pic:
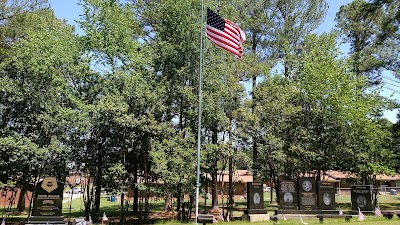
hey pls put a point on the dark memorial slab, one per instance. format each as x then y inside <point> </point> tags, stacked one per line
<point>307,193</point>
<point>255,198</point>
<point>47,203</point>
<point>361,197</point>
<point>326,195</point>
<point>288,195</point>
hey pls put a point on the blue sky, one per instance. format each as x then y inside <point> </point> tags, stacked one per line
<point>70,10</point>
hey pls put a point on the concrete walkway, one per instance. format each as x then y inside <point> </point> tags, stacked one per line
<point>67,197</point>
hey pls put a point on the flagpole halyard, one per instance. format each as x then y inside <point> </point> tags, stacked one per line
<point>202,24</point>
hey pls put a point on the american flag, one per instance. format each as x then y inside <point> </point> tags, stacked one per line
<point>104,219</point>
<point>283,216</point>
<point>361,216</point>
<point>378,211</point>
<point>224,33</point>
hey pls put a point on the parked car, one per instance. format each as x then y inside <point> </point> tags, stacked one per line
<point>75,190</point>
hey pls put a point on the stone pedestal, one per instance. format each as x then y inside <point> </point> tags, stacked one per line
<point>255,217</point>
<point>51,220</point>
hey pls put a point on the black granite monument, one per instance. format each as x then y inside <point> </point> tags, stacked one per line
<point>255,198</point>
<point>307,193</point>
<point>361,197</point>
<point>326,195</point>
<point>47,203</point>
<point>255,203</point>
<point>288,195</point>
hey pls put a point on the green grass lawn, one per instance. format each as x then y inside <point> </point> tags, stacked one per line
<point>78,207</point>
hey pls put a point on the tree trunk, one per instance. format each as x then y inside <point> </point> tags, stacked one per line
<point>179,203</point>
<point>21,199</point>
<point>98,186</point>
<point>122,213</point>
<point>230,188</point>
<point>192,204</point>
<point>214,202</point>
<point>168,202</point>
<point>87,200</point>
<point>135,205</point>
<point>276,184</point>
<point>271,191</point>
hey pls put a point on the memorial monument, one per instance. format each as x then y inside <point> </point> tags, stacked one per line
<point>47,202</point>
<point>307,193</point>
<point>326,195</point>
<point>288,195</point>
<point>361,198</point>
<point>255,203</point>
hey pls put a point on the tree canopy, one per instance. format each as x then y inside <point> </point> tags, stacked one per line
<point>119,102</point>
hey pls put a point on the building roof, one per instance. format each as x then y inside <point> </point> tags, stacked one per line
<point>239,176</point>
<point>244,176</point>
<point>385,177</point>
<point>338,175</point>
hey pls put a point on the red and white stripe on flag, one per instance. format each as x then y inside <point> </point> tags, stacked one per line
<point>361,216</point>
<point>224,33</point>
<point>378,211</point>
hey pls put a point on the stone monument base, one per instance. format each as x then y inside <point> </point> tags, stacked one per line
<point>255,217</point>
<point>51,220</point>
<point>255,211</point>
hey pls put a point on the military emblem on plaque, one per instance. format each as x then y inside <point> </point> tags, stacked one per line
<point>361,198</point>
<point>288,197</point>
<point>49,184</point>
<point>361,201</point>
<point>256,198</point>
<point>327,199</point>
<point>307,185</point>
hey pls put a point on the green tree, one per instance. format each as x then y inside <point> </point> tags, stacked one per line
<point>274,110</point>
<point>123,103</point>
<point>223,95</point>
<point>336,128</point>
<point>370,29</point>
<point>276,30</point>
<point>172,32</point>
<point>35,94</point>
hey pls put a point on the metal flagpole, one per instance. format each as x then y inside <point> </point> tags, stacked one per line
<point>199,110</point>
